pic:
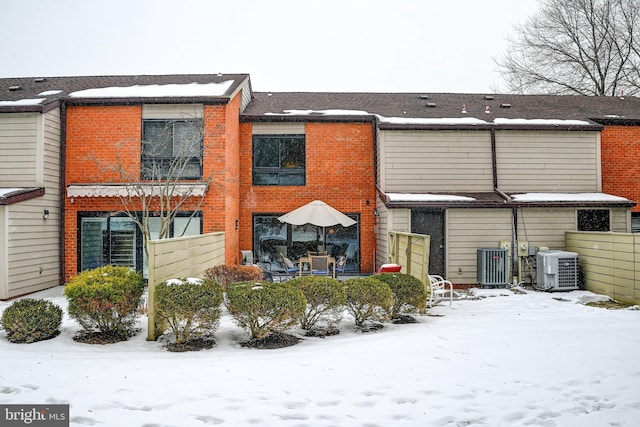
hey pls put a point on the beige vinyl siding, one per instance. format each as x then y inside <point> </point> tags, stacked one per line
<point>389,220</point>
<point>621,220</point>
<point>435,161</point>
<point>19,149</point>
<point>546,227</point>
<point>546,161</point>
<point>278,128</point>
<point>172,111</point>
<point>4,259</point>
<point>467,230</point>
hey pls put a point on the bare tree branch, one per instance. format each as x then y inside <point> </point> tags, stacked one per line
<point>586,47</point>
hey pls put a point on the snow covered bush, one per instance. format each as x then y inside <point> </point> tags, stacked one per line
<point>325,297</point>
<point>265,307</point>
<point>227,274</point>
<point>189,307</point>
<point>105,301</point>
<point>409,293</point>
<point>29,320</point>
<point>368,299</point>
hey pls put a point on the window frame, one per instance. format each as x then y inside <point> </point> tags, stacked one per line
<point>157,167</point>
<point>280,173</point>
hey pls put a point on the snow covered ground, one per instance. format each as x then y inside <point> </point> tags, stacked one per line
<point>505,359</point>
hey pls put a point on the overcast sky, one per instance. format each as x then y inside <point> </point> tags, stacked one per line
<point>285,45</point>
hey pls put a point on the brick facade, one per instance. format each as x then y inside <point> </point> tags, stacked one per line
<point>620,167</point>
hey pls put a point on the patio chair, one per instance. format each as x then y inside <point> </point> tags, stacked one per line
<point>438,290</point>
<point>320,265</point>
<point>289,266</point>
<point>341,264</point>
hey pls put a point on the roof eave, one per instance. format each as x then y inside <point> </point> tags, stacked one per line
<point>21,195</point>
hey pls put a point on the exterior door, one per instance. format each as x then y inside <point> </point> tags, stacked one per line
<point>431,222</point>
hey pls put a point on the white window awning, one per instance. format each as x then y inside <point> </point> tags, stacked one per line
<point>134,190</point>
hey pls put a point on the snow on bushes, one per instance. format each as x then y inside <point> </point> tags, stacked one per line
<point>190,308</point>
<point>29,320</point>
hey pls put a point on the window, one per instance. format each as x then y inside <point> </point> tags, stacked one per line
<point>172,149</point>
<point>593,220</point>
<point>278,160</point>
<point>105,238</point>
<point>635,222</point>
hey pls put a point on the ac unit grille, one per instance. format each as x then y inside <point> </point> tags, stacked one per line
<point>557,271</point>
<point>493,267</point>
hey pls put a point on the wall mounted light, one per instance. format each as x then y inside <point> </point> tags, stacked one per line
<point>45,214</point>
<point>375,212</point>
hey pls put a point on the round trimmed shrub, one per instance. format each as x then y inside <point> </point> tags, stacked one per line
<point>29,320</point>
<point>265,307</point>
<point>325,297</point>
<point>409,294</point>
<point>228,274</point>
<point>368,299</point>
<point>105,301</point>
<point>189,307</point>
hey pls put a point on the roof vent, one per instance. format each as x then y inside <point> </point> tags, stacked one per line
<point>464,109</point>
<point>15,88</point>
<point>488,97</point>
<point>505,105</point>
<point>431,104</point>
<point>424,96</point>
<point>40,80</point>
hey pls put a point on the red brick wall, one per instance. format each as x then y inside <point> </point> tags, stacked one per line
<point>104,133</point>
<point>339,171</point>
<point>620,147</point>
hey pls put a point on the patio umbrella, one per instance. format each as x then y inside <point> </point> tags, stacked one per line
<point>317,213</point>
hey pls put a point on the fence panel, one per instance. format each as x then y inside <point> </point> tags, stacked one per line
<point>411,251</point>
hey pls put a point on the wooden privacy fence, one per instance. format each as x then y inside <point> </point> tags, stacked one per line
<point>181,257</point>
<point>610,262</point>
<point>411,251</point>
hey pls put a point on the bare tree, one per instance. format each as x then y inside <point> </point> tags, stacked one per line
<point>167,180</point>
<point>586,47</point>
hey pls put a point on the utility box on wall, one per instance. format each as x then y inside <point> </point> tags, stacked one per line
<point>493,267</point>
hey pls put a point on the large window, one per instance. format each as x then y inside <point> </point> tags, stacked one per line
<point>272,238</point>
<point>593,220</point>
<point>105,238</point>
<point>172,149</point>
<point>278,160</point>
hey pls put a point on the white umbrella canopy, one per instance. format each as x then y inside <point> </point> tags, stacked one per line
<point>317,213</point>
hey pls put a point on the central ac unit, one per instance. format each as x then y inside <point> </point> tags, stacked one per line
<point>557,271</point>
<point>493,267</point>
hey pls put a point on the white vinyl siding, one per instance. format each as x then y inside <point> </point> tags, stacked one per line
<point>172,111</point>
<point>435,161</point>
<point>467,230</point>
<point>19,149</point>
<point>278,129</point>
<point>546,161</point>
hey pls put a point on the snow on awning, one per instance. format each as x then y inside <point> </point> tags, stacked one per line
<point>182,190</point>
<point>22,102</point>
<point>567,197</point>
<point>411,197</point>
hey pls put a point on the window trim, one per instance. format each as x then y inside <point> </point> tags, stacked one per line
<point>144,159</point>
<point>257,171</point>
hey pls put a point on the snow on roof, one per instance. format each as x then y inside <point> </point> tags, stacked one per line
<point>5,191</point>
<point>21,102</point>
<point>320,112</point>
<point>434,121</point>
<point>49,92</point>
<point>541,122</point>
<point>567,197</point>
<point>406,197</point>
<point>156,91</point>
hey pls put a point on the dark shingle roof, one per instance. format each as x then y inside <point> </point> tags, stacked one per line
<point>25,88</point>
<point>487,108</point>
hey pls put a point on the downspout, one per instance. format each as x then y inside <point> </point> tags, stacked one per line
<point>514,210</point>
<point>62,180</point>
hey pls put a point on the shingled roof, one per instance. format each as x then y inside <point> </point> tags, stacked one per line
<point>396,110</point>
<point>43,93</point>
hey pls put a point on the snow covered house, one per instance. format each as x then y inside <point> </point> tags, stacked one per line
<point>29,187</point>
<point>476,171</point>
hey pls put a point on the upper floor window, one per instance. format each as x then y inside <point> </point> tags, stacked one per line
<point>278,160</point>
<point>593,220</point>
<point>171,149</point>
